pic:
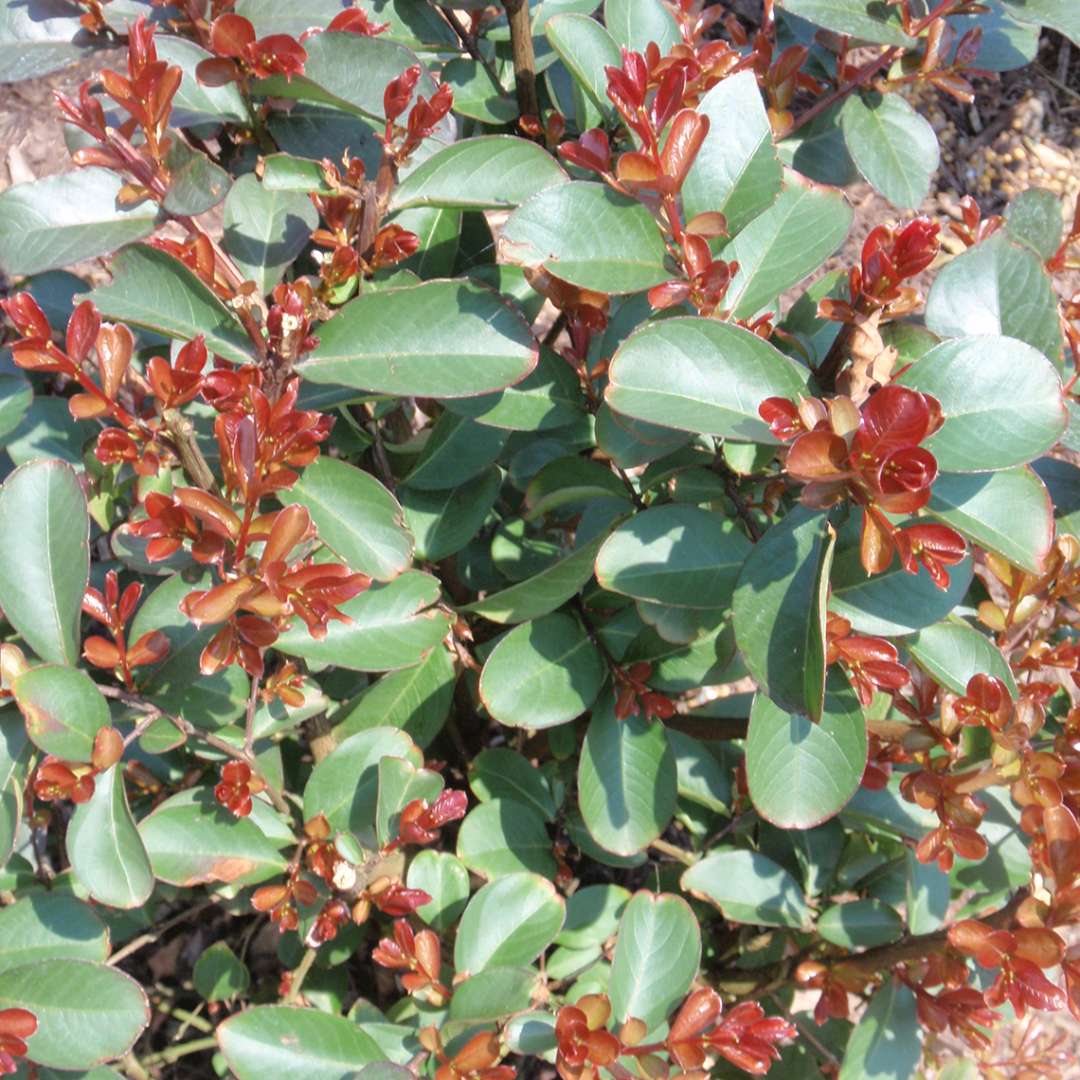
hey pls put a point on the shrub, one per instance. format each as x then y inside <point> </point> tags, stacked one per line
<point>459,619</point>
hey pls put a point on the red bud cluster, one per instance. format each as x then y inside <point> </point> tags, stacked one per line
<point>114,610</point>
<point>237,786</point>
<point>419,956</point>
<point>239,55</point>
<point>16,1026</point>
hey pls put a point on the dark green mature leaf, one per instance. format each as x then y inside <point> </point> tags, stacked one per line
<point>885,1043</point>
<point>356,517</point>
<point>1001,400</point>
<point>276,1040</point>
<point>153,290</point>
<point>777,609</point>
<point>16,393</point>
<point>586,48</point>
<point>1033,218</point>
<point>542,673</point>
<point>437,339</point>
<point>64,710</point>
<point>45,537</point>
<point>393,626</point>
<point>509,922</point>
<point>444,878</point>
<point>503,837</point>
<point>62,219</point>
<point>674,554</point>
<point>1062,480</point>
<point>656,957</point>
<point>626,780</point>
<point>497,992</point>
<point>266,229</point>
<point>195,103</point>
<point>736,171</point>
<point>443,522</point>
<point>1006,45</point>
<point>634,23</point>
<point>996,288</point>
<point>47,432</point>
<point>790,240</point>
<point>701,375</point>
<point>1008,512</point>
<point>867,20</point>
<point>799,773</point>
<point>592,915</point>
<point>588,235</point>
<point>105,849</point>
<point>748,887</point>
<point>46,926</point>
<point>502,773</point>
<point>477,95</point>
<point>400,783</point>
<point>951,652</point>
<point>860,924</point>
<point>40,38</point>
<point>456,450</point>
<point>489,172</point>
<point>87,1013</point>
<point>191,840</point>
<point>196,184</point>
<point>1060,15</point>
<point>219,974</point>
<point>894,148</point>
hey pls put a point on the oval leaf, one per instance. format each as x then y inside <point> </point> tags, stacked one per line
<point>47,926</point>
<point>748,887</point>
<point>64,710</point>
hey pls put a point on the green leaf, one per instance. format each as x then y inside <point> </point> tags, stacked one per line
<point>1062,480</point>
<point>790,240</point>
<point>59,220</point>
<point>626,780</point>
<point>543,592</point>
<point>894,148</point>
<point>656,957</point>
<point>105,849</point>
<point>436,339</point>
<point>894,601</point>
<point>444,878</point>
<point>748,888</point>
<point>592,916</point>
<point>16,393</point>
<point>401,782</point>
<point>38,40</point>
<point>498,992</point>
<point>799,773</point>
<point>153,290</point>
<point>702,779</point>
<point>344,785</point>
<point>283,172</point>
<point>1008,512</point>
<point>196,184</point>
<point>266,229</point>
<point>415,699</point>
<point>951,652</point>
<point>46,926</point>
<point>87,1013</point>
<point>996,289</point>
<point>45,537</point>
<point>504,837</point>
<point>586,48</point>
<point>219,974</point>
<point>701,375</point>
<point>63,708</point>
<point>502,773</point>
<point>508,923</point>
<point>1060,15</point>
<point>443,522</point>
<point>1033,218</point>
<point>1001,400</point>
<point>542,673</point>
<point>587,235</point>
<point>634,23</point>
<point>867,20</point>
<point>860,924</point>
<point>674,554</point>
<point>885,1043</point>
<point>736,171</point>
<point>357,518</point>
<point>276,1040</point>
<point>477,95</point>
<point>191,840</point>
<point>48,432</point>
<point>456,450</point>
<point>393,626</point>
<point>489,172</point>
<point>777,609</point>
<point>194,103</point>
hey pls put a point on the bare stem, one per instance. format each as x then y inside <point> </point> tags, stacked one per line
<point>521,48</point>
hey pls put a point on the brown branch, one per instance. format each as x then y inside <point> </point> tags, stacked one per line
<point>181,433</point>
<point>521,48</point>
<point>468,41</point>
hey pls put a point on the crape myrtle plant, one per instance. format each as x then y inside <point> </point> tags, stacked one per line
<point>471,609</point>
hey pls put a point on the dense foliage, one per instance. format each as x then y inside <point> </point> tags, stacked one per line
<point>470,610</point>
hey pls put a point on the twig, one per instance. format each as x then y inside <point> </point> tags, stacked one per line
<point>807,1034</point>
<point>731,489</point>
<point>521,48</point>
<point>133,1067</point>
<point>181,434</point>
<point>299,974</point>
<point>468,42</point>
<point>249,719</point>
<point>683,856</point>
<point>175,1053</point>
<point>149,938</point>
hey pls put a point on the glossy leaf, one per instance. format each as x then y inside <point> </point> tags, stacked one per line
<point>626,780</point>
<point>634,23</point>
<point>456,450</point>
<point>885,1042</point>
<point>748,887</point>
<point>951,652</point>
<point>46,926</point>
<point>59,220</point>
<point>497,992</point>
<point>592,915</point>
<point>1059,15</point>
<point>1001,400</point>
<point>586,48</point>
<point>219,974</point>
<point>400,783</point>
<point>446,880</point>
<point>800,773</point>
<point>1033,218</point>
<point>105,849</point>
<point>700,375</point>
<point>355,516</point>
<point>656,957</point>
<point>195,103</point>
<point>505,837</point>
<point>36,41</point>
<point>436,339</point>
<point>542,673</point>
<point>502,773</point>
<point>509,922</point>
<point>44,534</point>
<point>64,710</point>
<point>16,393</point>
<point>866,20</point>
<point>860,924</point>
<point>443,522</point>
